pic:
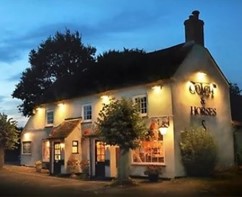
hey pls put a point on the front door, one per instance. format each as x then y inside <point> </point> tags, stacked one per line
<point>99,159</point>
<point>57,158</point>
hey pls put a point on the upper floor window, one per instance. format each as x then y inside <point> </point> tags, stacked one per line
<point>141,102</point>
<point>50,117</point>
<point>87,112</point>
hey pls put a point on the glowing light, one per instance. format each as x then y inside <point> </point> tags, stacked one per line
<point>105,99</point>
<point>156,89</point>
<point>163,130</point>
<point>62,145</point>
<point>61,105</point>
<point>201,76</point>
<point>47,143</point>
<point>27,137</point>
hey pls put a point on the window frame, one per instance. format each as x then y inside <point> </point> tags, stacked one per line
<point>151,162</point>
<point>140,107</point>
<point>76,146</point>
<point>47,121</point>
<point>24,143</point>
<point>84,113</point>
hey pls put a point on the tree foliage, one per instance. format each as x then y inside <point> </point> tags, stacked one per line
<point>8,135</point>
<point>198,151</point>
<point>120,123</point>
<point>234,89</point>
<point>60,55</point>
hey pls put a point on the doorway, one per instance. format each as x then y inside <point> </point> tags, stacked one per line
<point>99,159</point>
<point>58,160</point>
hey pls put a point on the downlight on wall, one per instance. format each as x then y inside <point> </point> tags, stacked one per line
<point>156,89</point>
<point>105,99</point>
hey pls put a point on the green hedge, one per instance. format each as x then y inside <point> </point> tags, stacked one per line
<point>198,151</point>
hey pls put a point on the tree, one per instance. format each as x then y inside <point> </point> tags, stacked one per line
<point>8,135</point>
<point>234,89</point>
<point>119,123</point>
<point>59,56</point>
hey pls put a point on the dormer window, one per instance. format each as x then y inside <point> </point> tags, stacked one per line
<point>49,117</point>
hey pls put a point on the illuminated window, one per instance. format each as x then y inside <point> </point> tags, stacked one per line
<point>57,151</point>
<point>141,102</point>
<point>87,112</point>
<point>74,147</point>
<point>100,148</point>
<point>26,147</point>
<point>151,149</point>
<point>50,117</point>
<point>46,150</point>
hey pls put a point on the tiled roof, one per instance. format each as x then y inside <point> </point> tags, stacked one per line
<point>64,129</point>
<point>149,67</point>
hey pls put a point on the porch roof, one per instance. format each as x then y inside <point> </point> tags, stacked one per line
<point>64,129</point>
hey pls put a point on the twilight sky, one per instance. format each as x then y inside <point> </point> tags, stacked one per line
<point>113,24</point>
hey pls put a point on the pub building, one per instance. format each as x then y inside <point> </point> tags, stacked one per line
<point>175,88</point>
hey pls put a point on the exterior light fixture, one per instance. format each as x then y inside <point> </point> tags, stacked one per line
<point>165,122</point>
<point>105,99</point>
<point>156,88</point>
<point>201,76</point>
<point>61,104</point>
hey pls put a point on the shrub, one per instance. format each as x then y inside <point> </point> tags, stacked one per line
<point>198,151</point>
<point>73,165</point>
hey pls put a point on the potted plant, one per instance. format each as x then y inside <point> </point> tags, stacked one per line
<point>38,166</point>
<point>153,172</point>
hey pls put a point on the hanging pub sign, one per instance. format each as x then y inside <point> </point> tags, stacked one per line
<point>204,91</point>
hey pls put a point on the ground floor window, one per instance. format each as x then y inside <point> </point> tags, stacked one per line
<point>26,147</point>
<point>149,152</point>
<point>45,150</point>
<point>151,149</point>
<point>74,147</point>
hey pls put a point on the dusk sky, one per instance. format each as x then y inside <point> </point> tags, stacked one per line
<point>113,24</point>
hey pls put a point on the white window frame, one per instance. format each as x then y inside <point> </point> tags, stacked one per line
<point>140,108</point>
<point>30,148</point>
<point>49,123</point>
<point>84,113</point>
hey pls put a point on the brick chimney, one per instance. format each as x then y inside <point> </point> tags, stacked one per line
<point>194,28</point>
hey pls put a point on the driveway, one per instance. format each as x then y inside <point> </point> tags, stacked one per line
<point>24,182</point>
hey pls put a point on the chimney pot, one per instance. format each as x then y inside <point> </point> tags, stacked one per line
<point>196,13</point>
<point>194,28</point>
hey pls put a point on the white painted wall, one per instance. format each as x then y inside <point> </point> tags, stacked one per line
<point>220,125</point>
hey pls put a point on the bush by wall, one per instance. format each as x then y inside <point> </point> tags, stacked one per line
<point>198,151</point>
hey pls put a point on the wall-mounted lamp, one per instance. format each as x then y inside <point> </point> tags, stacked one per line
<point>202,89</point>
<point>61,104</point>
<point>201,76</point>
<point>165,122</point>
<point>156,88</point>
<point>105,99</point>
